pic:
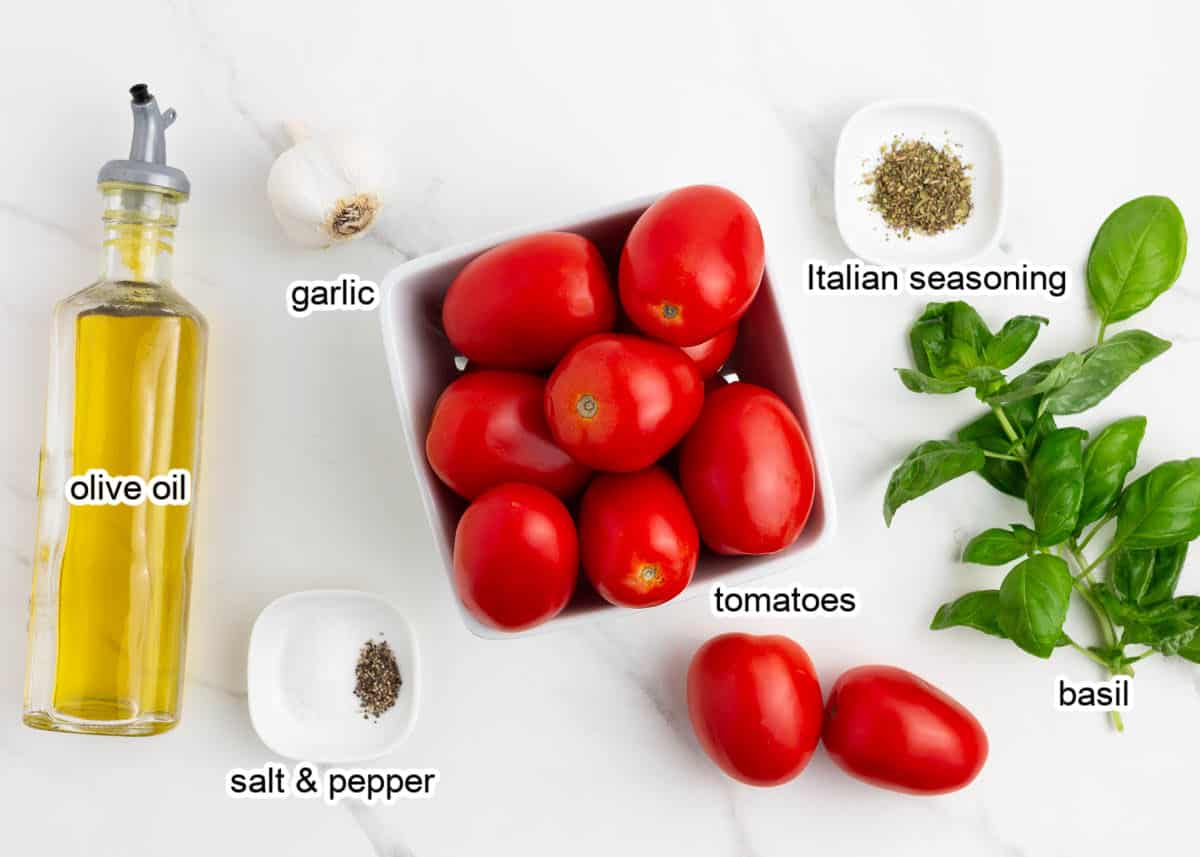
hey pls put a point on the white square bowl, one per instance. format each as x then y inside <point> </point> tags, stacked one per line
<point>300,676</point>
<point>422,363</point>
<point>863,229</point>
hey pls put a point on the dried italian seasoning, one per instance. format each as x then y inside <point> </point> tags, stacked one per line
<point>920,188</point>
<point>376,678</point>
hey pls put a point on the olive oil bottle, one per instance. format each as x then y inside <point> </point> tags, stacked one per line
<point>112,573</point>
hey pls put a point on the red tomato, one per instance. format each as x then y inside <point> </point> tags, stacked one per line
<point>523,304</point>
<point>516,557</point>
<point>691,265</point>
<point>755,705</point>
<point>747,472</point>
<point>619,402</point>
<point>711,354</point>
<point>890,728</point>
<point>637,537</point>
<point>490,427</point>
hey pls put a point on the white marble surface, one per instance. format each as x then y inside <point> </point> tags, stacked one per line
<point>502,113</point>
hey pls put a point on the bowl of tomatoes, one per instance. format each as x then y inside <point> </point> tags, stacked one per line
<point>605,412</point>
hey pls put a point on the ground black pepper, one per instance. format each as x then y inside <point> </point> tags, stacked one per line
<point>376,678</point>
<point>920,188</point>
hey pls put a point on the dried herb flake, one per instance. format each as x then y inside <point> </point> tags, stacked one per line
<point>920,188</point>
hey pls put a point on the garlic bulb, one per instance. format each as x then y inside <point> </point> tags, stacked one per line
<point>328,188</point>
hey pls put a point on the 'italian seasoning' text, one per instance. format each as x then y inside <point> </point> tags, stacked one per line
<point>855,276</point>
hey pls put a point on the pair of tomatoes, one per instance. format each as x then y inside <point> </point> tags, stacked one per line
<point>554,402</point>
<point>755,705</point>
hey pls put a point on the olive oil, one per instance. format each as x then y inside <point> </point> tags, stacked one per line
<point>112,577</point>
<point>126,570</point>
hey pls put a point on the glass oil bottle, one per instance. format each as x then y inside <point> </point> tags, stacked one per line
<point>111,580</point>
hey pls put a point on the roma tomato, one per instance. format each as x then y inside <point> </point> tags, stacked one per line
<point>691,265</point>
<point>619,402</point>
<point>522,304</point>
<point>637,538</point>
<point>890,728</point>
<point>490,427</point>
<point>516,557</point>
<point>747,471</point>
<point>711,354</point>
<point>755,705</point>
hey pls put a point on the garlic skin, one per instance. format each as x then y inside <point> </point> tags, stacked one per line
<point>329,188</point>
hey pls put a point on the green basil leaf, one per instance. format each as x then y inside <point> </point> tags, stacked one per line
<point>1146,578</point>
<point>1190,650</point>
<point>1168,565</point>
<point>963,325</point>
<point>927,338</point>
<point>978,610</point>
<point>1161,508</point>
<point>950,340</point>
<point>985,379</point>
<point>919,382</point>
<point>1127,613</point>
<point>1105,367</point>
<point>1033,375</point>
<point>1055,376</point>
<point>1033,603</point>
<point>986,432</point>
<point>1172,630</point>
<point>999,547</point>
<point>931,464</point>
<point>1137,255</point>
<point>1055,488</point>
<point>1129,574</point>
<point>1106,462</point>
<point>1013,340</point>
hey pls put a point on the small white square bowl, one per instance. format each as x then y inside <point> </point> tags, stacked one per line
<point>422,363</point>
<point>300,676</point>
<point>863,229</point>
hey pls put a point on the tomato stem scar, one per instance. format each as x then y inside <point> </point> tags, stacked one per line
<point>669,311</point>
<point>587,406</point>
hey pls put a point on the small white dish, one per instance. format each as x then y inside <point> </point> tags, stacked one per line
<point>300,676</point>
<point>863,229</point>
<point>422,363</point>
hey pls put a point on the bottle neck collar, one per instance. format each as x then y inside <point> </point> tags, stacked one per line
<point>139,233</point>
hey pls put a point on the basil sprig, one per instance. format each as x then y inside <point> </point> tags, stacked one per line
<point>1075,489</point>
